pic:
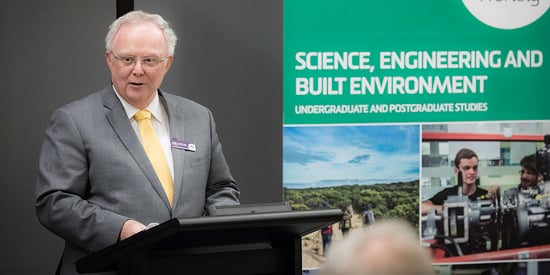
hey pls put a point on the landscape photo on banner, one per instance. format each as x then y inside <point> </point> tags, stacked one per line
<point>354,168</point>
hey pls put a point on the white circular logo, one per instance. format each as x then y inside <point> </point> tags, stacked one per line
<point>507,14</point>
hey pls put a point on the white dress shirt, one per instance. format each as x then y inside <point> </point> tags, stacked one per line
<point>159,119</point>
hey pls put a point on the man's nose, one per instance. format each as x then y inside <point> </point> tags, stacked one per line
<point>138,67</point>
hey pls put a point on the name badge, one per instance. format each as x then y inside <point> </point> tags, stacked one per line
<point>183,145</point>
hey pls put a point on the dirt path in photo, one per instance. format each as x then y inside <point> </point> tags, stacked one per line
<point>312,245</point>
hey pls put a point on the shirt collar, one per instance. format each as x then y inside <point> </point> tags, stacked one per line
<point>154,107</point>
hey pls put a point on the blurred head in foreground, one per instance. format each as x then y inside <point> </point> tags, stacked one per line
<point>390,247</point>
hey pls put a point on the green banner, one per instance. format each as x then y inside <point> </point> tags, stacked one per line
<point>415,61</point>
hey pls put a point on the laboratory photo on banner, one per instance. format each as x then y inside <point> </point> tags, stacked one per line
<point>485,191</point>
<point>369,172</point>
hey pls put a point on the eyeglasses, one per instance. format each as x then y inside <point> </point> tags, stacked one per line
<point>148,61</point>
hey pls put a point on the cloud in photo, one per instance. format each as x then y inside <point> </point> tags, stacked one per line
<point>320,156</point>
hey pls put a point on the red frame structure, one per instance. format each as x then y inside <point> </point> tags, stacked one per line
<point>434,136</point>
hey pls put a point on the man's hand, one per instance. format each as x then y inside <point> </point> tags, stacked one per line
<point>129,228</point>
<point>426,205</point>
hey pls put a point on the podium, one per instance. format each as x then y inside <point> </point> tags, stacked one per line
<point>247,243</point>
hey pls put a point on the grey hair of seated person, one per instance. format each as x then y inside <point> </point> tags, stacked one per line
<point>390,247</point>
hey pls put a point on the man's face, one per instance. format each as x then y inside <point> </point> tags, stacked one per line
<point>528,178</point>
<point>468,167</point>
<point>137,83</point>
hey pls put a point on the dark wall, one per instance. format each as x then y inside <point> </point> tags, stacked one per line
<point>229,58</point>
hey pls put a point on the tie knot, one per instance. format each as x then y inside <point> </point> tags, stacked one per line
<point>142,114</point>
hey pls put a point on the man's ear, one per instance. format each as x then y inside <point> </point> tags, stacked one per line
<point>168,63</point>
<point>108,59</point>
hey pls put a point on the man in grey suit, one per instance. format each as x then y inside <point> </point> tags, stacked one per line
<point>96,184</point>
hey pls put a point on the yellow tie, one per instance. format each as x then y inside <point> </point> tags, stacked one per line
<point>154,151</point>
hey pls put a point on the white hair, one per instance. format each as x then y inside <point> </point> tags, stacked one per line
<point>135,17</point>
<point>391,247</point>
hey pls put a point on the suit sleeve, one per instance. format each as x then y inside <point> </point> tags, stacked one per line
<point>221,188</point>
<point>62,186</point>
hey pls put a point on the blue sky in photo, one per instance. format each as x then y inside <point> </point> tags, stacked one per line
<point>323,156</point>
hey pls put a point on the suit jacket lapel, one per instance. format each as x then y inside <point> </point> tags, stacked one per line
<point>175,118</point>
<point>121,125</point>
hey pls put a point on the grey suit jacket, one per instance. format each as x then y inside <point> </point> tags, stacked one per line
<point>94,175</point>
